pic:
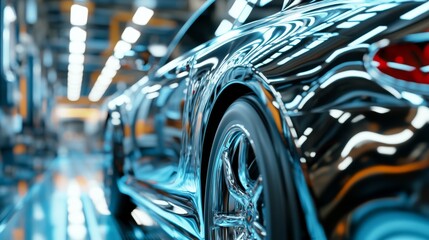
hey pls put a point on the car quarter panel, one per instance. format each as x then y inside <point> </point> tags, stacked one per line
<point>309,66</point>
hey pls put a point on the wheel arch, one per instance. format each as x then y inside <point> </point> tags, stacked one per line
<point>229,93</point>
<point>227,96</point>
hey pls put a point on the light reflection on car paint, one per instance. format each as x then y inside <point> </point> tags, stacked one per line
<point>307,66</point>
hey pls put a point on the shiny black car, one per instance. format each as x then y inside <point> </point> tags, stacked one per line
<point>309,122</point>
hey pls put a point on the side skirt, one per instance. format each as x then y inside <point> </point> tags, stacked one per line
<point>176,214</point>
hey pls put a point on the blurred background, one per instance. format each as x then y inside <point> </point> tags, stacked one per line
<point>60,62</point>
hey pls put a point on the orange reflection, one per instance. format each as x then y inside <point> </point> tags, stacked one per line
<point>18,234</point>
<point>274,111</point>
<point>378,170</point>
<point>22,188</point>
<point>143,127</point>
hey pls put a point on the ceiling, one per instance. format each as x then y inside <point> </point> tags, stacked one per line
<point>107,19</point>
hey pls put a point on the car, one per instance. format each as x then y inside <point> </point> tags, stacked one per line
<point>307,123</point>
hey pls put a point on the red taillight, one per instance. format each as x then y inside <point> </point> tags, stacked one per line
<point>406,61</point>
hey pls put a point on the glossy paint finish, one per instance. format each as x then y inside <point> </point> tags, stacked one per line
<point>238,214</point>
<point>352,141</point>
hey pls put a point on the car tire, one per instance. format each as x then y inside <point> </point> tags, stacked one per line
<point>245,195</point>
<point>120,205</point>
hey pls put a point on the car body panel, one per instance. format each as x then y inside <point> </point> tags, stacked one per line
<point>308,68</point>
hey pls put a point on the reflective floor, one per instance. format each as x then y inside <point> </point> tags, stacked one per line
<point>64,199</point>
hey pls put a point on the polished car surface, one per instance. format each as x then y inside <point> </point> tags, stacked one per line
<point>311,122</point>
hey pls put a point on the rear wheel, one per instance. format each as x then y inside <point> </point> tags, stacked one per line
<point>245,193</point>
<point>120,205</point>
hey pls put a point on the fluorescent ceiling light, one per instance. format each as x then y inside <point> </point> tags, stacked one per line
<point>108,72</point>
<point>130,35</point>
<point>74,88</point>
<point>97,92</point>
<point>119,55</point>
<point>72,97</point>
<point>77,47</point>
<point>100,87</point>
<point>122,47</point>
<point>77,34</point>
<point>103,80</point>
<point>73,92</point>
<point>76,58</point>
<point>74,83</point>
<point>142,16</point>
<point>9,14</point>
<point>95,96</point>
<point>113,63</point>
<point>74,79</point>
<point>157,50</point>
<point>76,68</point>
<point>78,15</point>
<point>75,74</point>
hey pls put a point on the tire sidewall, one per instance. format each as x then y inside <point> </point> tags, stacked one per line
<point>246,112</point>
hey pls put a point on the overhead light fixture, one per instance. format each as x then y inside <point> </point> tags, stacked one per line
<point>77,34</point>
<point>78,15</point>
<point>74,87</point>
<point>77,47</point>
<point>157,50</point>
<point>142,16</point>
<point>72,97</point>
<point>130,35</point>
<point>75,75</point>
<point>100,87</point>
<point>76,58</point>
<point>108,72</point>
<point>113,63</point>
<point>9,14</point>
<point>97,92</point>
<point>119,55</point>
<point>75,68</point>
<point>104,80</point>
<point>94,97</point>
<point>74,90</point>
<point>122,47</point>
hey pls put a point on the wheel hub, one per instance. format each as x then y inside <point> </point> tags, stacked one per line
<point>237,207</point>
<point>251,213</point>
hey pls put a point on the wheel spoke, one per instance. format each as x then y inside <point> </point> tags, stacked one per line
<point>233,187</point>
<point>259,230</point>
<point>257,189</point>
<point>229,219</point>
<point>242,236</point>
<point>243,171</point>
